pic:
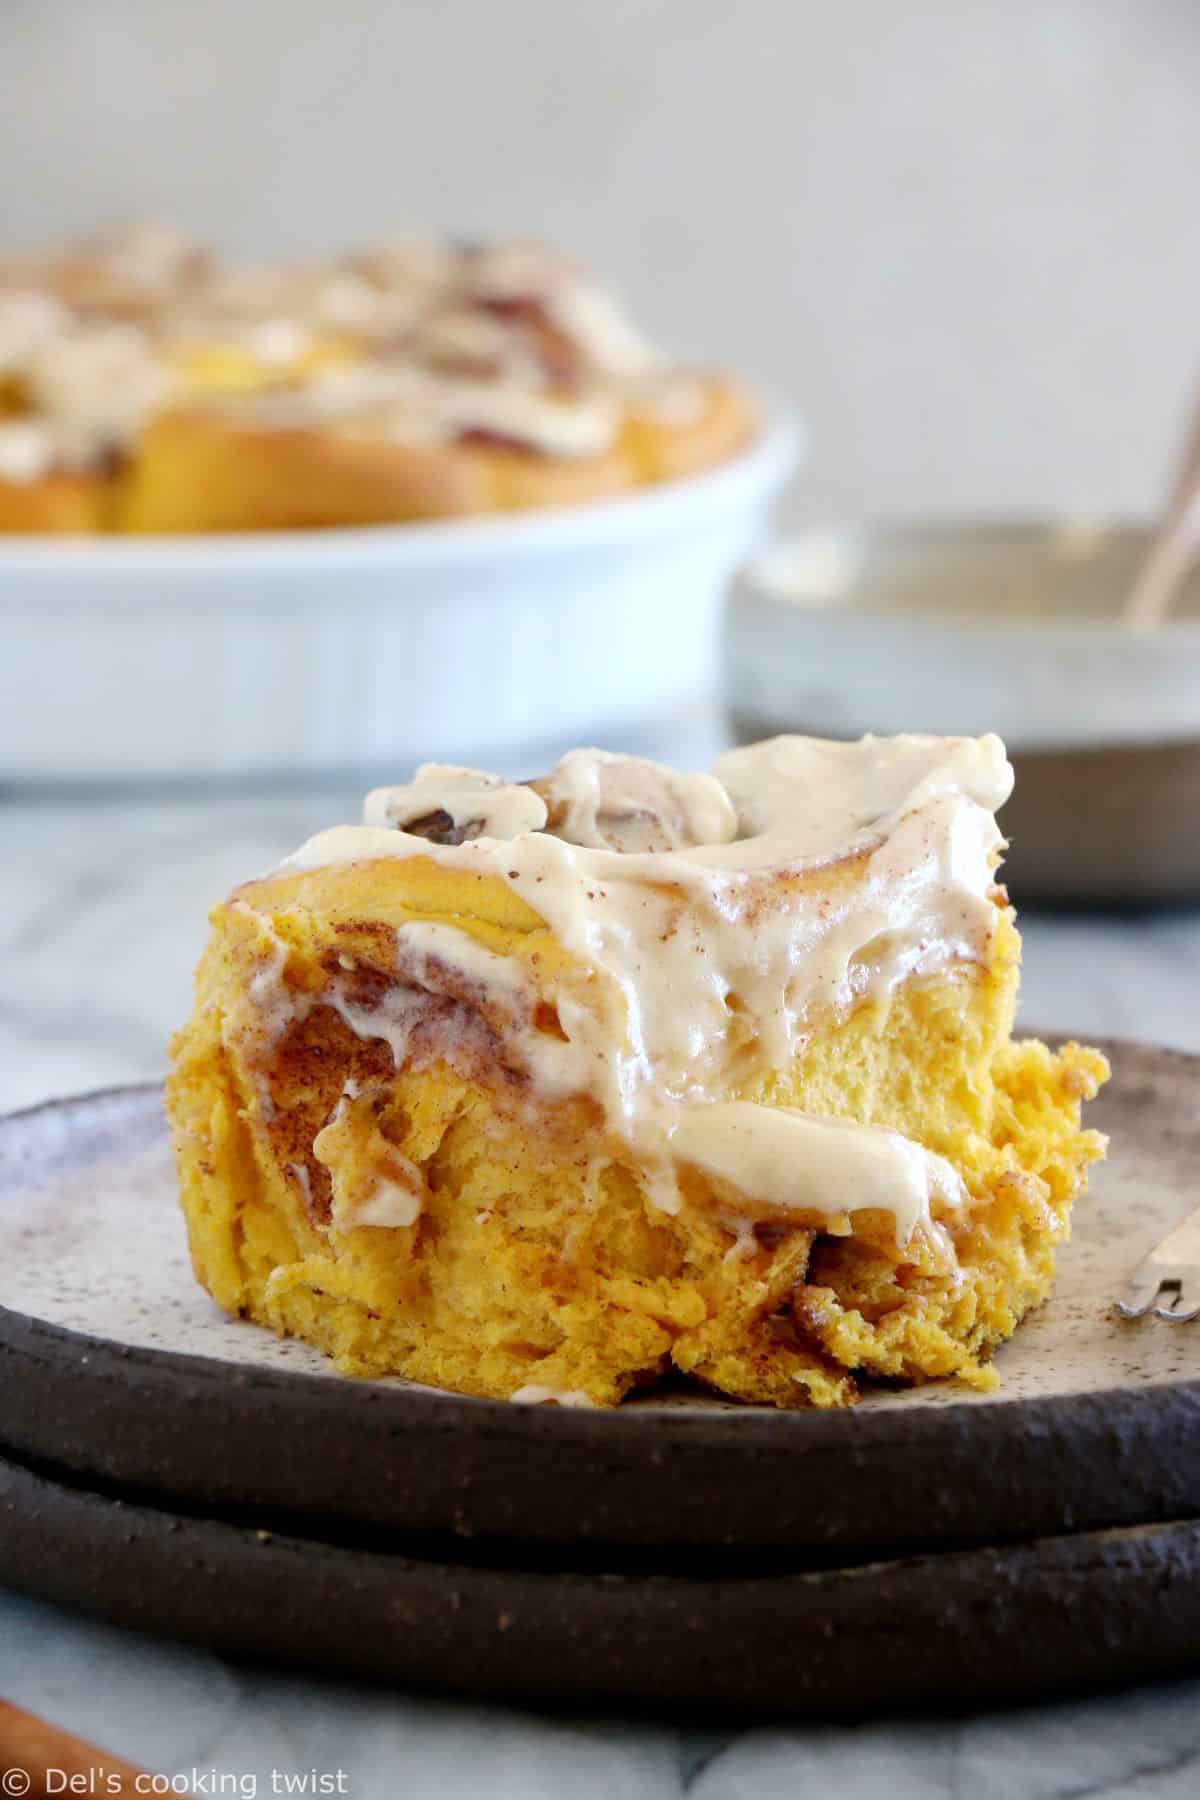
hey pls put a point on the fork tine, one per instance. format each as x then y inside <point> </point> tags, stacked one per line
<point>1167,1281</point>
<point>1140,1294</point>
<point>1178,1310</point>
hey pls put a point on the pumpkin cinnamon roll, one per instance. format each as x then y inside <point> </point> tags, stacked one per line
<point>548,1089</point>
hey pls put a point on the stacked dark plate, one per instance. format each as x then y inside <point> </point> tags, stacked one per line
<point>936,1548</point>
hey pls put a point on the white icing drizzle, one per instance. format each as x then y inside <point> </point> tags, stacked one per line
<point>463,338</point>
<point>695,971</point>
<point>672,396</point>
<point>627,803</point>
<point>94,387</point>
<point>431,343</point>
<point>787,1161</point>
<point>274,1002</point>
<point>254,291</point>
<point>342,395</point>
<point>744,1239</point>
<point>402,403</point>
<point>433,959</point>
<point>437,409</point>
<point>300,1175</point>
<point>148,255</point>
<point>534,1394</point>
<point>600,324</point>
<point>586,425</point>
<point>27,450</point>
<point>28,319</point>
<point>588,314</point>
<point>412,263</point>
<point>482,992</point>
<point>391,1203</point>
<point>383,1188</point>
<point>478,804</point>
<point>345,301</point>
<point>91,387</point>
<point>278,342</point>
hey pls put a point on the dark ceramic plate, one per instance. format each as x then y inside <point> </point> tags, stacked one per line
<point>931,1632</point>
<point>117,1373</point>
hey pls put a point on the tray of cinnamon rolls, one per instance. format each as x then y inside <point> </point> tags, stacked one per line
<point>268,519</point>
<point>146,387</point>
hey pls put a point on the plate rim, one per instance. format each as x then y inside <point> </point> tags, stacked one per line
<point>927,1632</point>
<point>1007,1433</point>
<point>587,1418</point>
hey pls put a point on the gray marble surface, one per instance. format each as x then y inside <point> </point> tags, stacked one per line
<point>104,904</point>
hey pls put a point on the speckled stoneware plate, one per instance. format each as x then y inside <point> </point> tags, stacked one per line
<point>177,1471</point>
<point>116,1367</point>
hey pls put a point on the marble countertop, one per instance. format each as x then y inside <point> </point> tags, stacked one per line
<point>104,912</point>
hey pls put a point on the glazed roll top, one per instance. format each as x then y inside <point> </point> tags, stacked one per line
<point>413,344</point>
<point>709,923</point>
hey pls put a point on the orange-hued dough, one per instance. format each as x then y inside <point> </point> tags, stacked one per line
<point>61,503</point>
<point>663,448</point>
<point>204,471</point>
<point>522,480</point>
<point>533,1254</point>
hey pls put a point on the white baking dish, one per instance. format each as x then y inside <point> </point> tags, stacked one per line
<point>307,652</point>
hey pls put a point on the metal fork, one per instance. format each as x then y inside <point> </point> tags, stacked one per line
<point>1172,1271</point>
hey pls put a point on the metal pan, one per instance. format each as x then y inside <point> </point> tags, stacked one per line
<point>1009,627</point>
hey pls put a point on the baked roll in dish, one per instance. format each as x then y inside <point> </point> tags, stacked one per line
<point>545,1090</point>
<point>144,388</point>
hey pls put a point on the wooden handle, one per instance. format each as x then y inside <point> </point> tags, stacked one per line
<point>1167,562</point>
<point>1188,466</point>
<point>1175,544</point>
<point>49,1758</point>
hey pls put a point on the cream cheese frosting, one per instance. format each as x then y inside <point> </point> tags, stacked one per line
<point>96,385</point>
<point>28,319</point>
<point>474,802</point>
<point>440,409</point>
<point>605,802</point>
<point>406,404</point>
<point>91,387</point>
<point>580,307</point>
<point>422,344</point>
<point>28,450</point>
<point>150,255</point>
<point>535,1393</point>
<point>695,967</point>
<point>787,1161</point>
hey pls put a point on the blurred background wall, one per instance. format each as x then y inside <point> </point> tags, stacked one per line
<point>961,234</point>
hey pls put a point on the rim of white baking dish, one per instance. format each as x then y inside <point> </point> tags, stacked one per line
<point>766,464</point>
